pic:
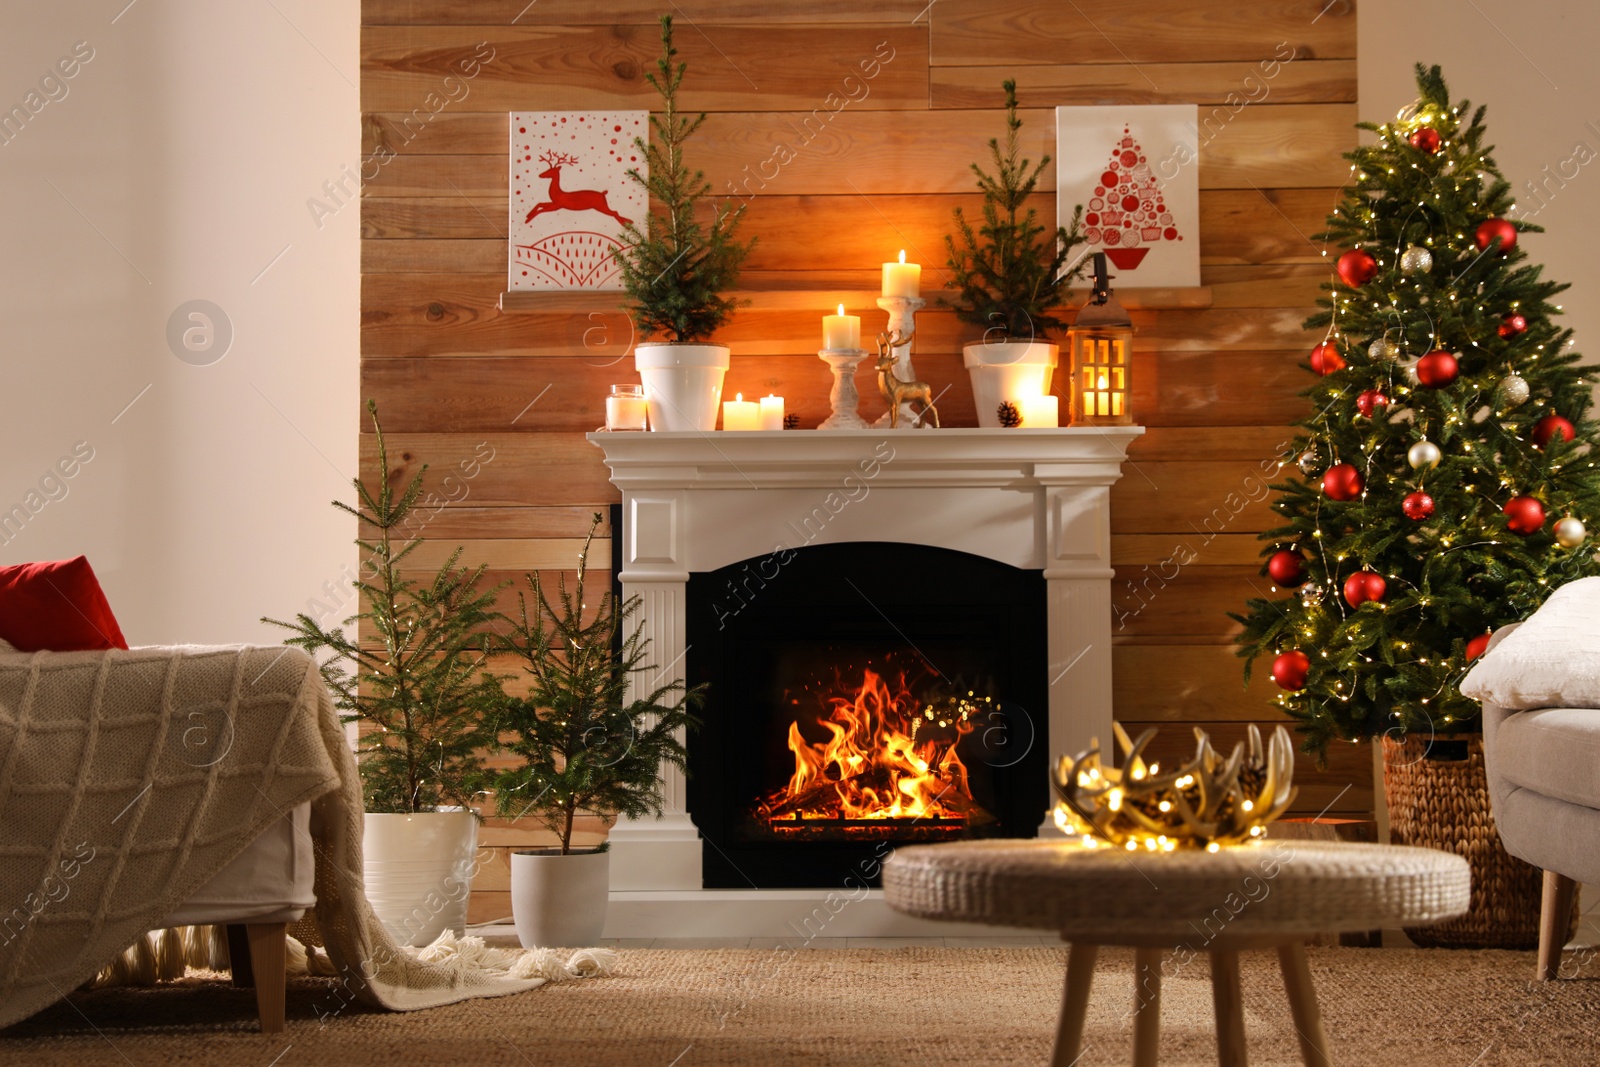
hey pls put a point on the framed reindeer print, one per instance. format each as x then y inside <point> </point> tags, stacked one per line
<point>570,196</point>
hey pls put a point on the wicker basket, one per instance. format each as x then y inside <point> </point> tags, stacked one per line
<point>1439,800</point>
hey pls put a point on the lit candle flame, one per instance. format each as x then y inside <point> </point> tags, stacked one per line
<point>902,255</point>
<point>841,309</point>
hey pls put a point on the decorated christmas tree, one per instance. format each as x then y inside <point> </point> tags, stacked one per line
<point>1449,471</point>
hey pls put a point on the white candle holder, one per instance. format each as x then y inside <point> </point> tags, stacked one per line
<point>843,396</point>
<point>902,320</point>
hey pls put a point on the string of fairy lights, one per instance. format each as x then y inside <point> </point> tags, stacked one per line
<point>1445,316</point>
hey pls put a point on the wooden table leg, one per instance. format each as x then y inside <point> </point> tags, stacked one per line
<point>1554,916</point>
<point>1074,1004</point>
<point>1228,1004</point>
<point>1303,1005</point>
<point>1147,1007</point>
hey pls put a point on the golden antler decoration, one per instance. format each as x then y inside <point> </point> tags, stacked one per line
<point>1207,803</point>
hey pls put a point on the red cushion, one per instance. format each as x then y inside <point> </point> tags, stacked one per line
<point>56,607</point>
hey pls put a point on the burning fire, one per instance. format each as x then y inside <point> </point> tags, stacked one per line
<point>888,756</point>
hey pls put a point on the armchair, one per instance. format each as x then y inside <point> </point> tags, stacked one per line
<point>1543,766</point>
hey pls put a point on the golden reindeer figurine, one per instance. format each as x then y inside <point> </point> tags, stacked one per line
<point>896,391</point>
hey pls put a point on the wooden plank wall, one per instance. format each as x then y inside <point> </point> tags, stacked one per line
<point>458,381</point>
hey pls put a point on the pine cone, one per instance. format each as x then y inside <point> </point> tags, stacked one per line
<point>791,422</point>
<point>1010,417</point>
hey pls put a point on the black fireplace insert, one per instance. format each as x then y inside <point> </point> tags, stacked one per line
<point>862,696</point>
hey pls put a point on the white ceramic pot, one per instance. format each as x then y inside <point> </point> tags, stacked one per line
<point>682,384</point>
<point>419,872</point>
<point>1008,370</point>
<point>559,901</point>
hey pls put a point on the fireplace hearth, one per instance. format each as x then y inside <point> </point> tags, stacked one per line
<point>866,695</point>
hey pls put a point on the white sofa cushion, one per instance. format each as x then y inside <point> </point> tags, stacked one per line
<point>1553,751</point>
<point>1551,661</point>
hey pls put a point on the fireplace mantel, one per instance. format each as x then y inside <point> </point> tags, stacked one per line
<point>695,502</point>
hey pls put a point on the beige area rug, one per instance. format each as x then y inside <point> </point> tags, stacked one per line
<point>921,1006</point>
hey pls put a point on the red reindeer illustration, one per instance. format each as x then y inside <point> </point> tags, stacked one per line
<point>569,199</point>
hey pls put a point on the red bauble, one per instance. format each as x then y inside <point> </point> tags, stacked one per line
<point>1287,568</point>
<point>1325,358</point>
<point>1369,401</point>
<point>1425,139</point>
<point>1357,267</point>
<point>1437,369</point>
<point>1547,428</point>
<point>1342,482</point>
<point>1289,670</point>
<point>1489,229</point>
<point>1363,586</point>
<point>1417,506</point>
<point>1476,646</point>
<point>1512,326</point>
<point>1524,515</point>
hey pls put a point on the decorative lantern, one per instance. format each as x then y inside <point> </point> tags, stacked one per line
<point>1101,347</point>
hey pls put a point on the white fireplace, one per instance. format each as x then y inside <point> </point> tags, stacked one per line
<point>697,502</point>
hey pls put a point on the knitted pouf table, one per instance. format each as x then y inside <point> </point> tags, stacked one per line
<point>1270,894</point>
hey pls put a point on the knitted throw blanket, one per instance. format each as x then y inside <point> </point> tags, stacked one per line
<point>129,779</point>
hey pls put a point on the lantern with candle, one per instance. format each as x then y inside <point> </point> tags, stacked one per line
<point>1012,273</point>
<point>1100,347</point>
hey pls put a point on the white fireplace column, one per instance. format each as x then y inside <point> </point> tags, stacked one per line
<point>1077,572</point>
<point>1037,499</point>
<point>659,853</point>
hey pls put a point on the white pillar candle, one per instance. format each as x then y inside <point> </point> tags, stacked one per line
<point>841,331</point>
<point>771,412</point>
<point>741,414</point>
<point>902,278</point>
<point>1040,411</point>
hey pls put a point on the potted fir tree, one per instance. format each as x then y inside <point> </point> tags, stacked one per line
<point>415,676</point>
<point>678,267</point>
<point>1009,271</point>
<point>589,738</point>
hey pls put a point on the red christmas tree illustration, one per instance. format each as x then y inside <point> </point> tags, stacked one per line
<point>1128,211</point>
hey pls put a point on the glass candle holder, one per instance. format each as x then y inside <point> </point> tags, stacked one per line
<point>625,408</point>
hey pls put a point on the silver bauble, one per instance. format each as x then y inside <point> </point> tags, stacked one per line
<point>1570,532</point>
<point>1308,462</point>
<point>1514,390</point>
<point>1383,349</point>
<point>1416,260</point>
<point>1423,454</point>
<point>1310,593</point>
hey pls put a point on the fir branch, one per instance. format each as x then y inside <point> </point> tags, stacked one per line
<point>426,693</point>
<point>678,267</point>
<point>583,744</point>
<point>1010,271</point>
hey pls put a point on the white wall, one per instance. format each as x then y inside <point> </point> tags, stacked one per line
<point>1533,64</point>
<point>177,167</point>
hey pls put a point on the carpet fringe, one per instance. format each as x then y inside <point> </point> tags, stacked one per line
<point>167,955</point>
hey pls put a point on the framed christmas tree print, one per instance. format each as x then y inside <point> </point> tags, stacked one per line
<point>571,196</point>
<point>1135,170</point>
